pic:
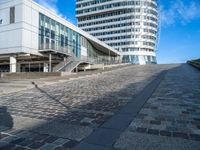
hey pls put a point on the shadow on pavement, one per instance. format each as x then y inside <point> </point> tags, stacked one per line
<point>6,120</point>
<point>75,124</point>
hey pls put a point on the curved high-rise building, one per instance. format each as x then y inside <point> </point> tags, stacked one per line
<point>130,26</point>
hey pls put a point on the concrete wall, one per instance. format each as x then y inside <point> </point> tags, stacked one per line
<point>29,75</point>
<point>10,34</point>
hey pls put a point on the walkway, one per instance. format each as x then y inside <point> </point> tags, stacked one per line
<point>105,111</point>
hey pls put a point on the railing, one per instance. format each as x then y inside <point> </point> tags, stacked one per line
<point>195,64</point>
<point>67,51</point>
<point>62,64</point>
<point>71,66</point>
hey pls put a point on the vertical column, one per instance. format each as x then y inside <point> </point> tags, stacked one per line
<point>45,67</point>
<point>76,69</point>
<point>13,64</point>
<point>50,62</point>
<point>18,67</point>
<point>109,58</point>
<point>65,60</point>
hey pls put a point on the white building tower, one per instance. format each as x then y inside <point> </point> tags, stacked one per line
<point>130,26</point>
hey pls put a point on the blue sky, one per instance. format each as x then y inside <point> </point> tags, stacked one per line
<point>179,33</point>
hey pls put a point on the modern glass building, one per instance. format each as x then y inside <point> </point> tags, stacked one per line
<point>129,26</point>
<point>32,39</point>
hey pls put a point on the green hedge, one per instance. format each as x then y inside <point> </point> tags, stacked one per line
<point>197,60</point>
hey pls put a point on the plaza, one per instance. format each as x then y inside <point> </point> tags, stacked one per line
<point>156,107</point>
<point>96,86</point>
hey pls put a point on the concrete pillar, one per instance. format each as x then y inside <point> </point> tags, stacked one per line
<point>18,67</point>
<point>13,64</point>
<point>45,67</point>
<point>50,63</point>
<point>142,60</point>
<point>65,60</point>
<point>109,58</point>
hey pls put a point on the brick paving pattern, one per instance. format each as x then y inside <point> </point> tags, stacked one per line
<point>81,105</point>
<point>171,113</point>
<point>60,116</point>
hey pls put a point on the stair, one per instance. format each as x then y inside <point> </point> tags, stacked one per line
<point>59,67</point>
<point>71,66</point>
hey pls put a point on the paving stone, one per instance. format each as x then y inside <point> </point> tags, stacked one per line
<point>165,133</point>
<point>141,130</point>
<point>17,141</point>
<point>155,122</point>
<point>10,139</point>
<point>141,141</point>
<point>172,111</point>
<point>26,142</point>
<point>48,147</point>
<point>36,145</point>
<point>7,147</point>
<point>153,131</point>
<point>103,137</point>
<point>60,141</point>
<point>181,135</point>
<point>195,137</point>
<point>2,135</point>
<point>70,144</point>
<point>97,98</point>
<point>40,137</point>
<point>50,139</point>
<point>59,148</point>
<point>86,146</point>
<point>19,148</point>
<point>118,122</point>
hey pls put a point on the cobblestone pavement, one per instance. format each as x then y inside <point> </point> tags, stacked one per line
<point>170,119</point>
<point>15,84</point>
<point>59,116</point>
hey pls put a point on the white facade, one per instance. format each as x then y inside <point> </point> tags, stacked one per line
<point>130,26</point>
<point>22,35</point>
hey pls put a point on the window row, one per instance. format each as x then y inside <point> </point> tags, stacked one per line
<point>124,31</point>
<point>131,49</point>
<point>130,24</point>
<point>128,37</point>
<point>129,12</point>
<point>119,19</point>
<point>115,5</point>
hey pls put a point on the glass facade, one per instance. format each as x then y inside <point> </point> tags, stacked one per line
<point>129,26</point>
<point>134,59</point>
<point>56,36</point>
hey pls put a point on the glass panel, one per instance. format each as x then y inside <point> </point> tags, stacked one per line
<point>12,15</point>
<point>46,43</point>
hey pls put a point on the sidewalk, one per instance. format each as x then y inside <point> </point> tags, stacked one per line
<point>107,111</point>
<point>170,120</point>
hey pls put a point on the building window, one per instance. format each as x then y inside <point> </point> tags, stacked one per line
<point>12,15</point>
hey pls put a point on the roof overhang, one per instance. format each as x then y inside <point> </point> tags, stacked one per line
<point>104,48</point>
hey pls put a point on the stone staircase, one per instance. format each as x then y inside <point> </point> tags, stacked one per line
<point>59,67</point>
<point>67,66</point>
<point>71,66</point>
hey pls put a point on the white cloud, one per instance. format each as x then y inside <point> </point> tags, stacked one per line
<point>180,11</point>
<point>49,4</point>
<point>52,5</point>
